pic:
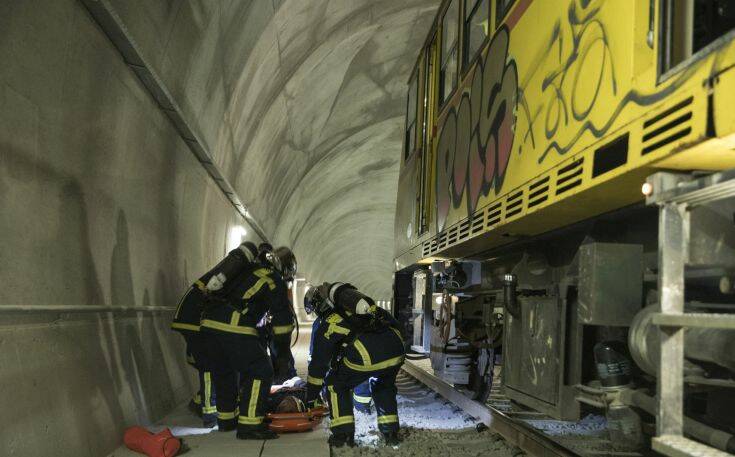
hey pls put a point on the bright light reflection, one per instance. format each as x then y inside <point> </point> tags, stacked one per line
<point>235,237</point>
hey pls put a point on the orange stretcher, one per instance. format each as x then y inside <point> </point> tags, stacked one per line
<point>296,422</point>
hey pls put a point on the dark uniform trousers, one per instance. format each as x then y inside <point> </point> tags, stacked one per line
<point>372,357</point>
<point>186,322</point>
<point>196,355</point>
<point>240,364</point>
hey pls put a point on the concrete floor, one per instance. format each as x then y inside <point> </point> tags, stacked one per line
<point>206,443</point>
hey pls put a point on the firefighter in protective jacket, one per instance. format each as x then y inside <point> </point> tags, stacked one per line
<point>235,348</point>
<point>187,320</point>
<point>355,342</point>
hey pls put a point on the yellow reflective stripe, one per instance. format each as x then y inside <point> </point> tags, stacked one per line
<point>398,334</point>
<point>197,399</point>
<point>200,285</point>
<point>210,410</point>
<point>376,366</point>
<point>333,403</point>
<point>180,326</point>
<point>361,399</point>
<point>314,380</point>
<point>254,393</point>
<point>334,328</point>
<point>388,419</point>
<point>282,329</point>
<point>229,328</point>
<point>235,319</point>
<point>254,289</point>
<point>263,274</point>
<point>336,422</point>
<point>363,352</point>
<point>208,393</point>
<point>226,415</point>
<point>250,420</point>
<point>334,319</point>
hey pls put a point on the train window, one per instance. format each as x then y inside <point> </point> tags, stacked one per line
<point>448,69</point>
<point>502,8</point>
<point>428,72</point>
<point>476,25</point>
<point>410,139</point>
<point>688,27</point>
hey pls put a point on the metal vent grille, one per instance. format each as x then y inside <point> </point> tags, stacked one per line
<point>464,230</point>
<point>514,204</point>
<point>569,176</point>
<point>538,192</point>
<point>494,214</point>
<point>478,222</point>
<point>426,249</point>
<point>441,241</point>
<point>668,126</point>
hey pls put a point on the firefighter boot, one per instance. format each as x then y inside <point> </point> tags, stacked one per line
<point>391,438</point>
<point>341,439</point>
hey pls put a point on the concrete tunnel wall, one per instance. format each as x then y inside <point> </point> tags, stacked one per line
<point>302,104</point>
<point>101,203</point>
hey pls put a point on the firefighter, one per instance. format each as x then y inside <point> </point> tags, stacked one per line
<point>186,321</point>
<point>265,327</point>
<point>236,349</point>
<point>355,342</point>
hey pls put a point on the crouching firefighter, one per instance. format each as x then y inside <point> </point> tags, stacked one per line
<point>187,320</point>
<point>235,348</point>
<point>355,342</point>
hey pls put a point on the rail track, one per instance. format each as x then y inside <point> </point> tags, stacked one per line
<point>514,423</point>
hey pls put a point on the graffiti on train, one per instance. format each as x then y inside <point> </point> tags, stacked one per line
<point>576,71</point>
<point>476,136</point>
<point>573,70</point>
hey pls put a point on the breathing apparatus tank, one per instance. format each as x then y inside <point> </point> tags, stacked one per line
<point>344,299</point>
<point>231,266</point>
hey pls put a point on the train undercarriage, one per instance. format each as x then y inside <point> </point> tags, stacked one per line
<point>630,315</point>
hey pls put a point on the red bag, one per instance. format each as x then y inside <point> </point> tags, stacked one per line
<point>162,444</point>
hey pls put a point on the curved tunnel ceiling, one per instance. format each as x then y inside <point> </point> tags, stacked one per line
<point>317,127</point>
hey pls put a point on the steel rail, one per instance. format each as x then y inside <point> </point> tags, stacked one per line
<point>518,434</point>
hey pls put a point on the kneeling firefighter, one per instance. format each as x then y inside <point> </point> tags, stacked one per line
<point>355,342</point>
<point>235,347</point>
<point>187,321</point>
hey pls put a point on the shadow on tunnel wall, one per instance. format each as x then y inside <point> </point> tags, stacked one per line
<point>81,379</point>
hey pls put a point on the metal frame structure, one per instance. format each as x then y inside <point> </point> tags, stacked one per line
<point>677,195</point>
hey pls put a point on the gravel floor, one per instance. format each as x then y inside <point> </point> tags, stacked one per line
<point>430,426</point>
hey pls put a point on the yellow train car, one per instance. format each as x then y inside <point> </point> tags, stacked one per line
<point>529,115</point>
<point>521,226</point>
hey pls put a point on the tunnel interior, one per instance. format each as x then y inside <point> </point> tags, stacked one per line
<point>298,107</point>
